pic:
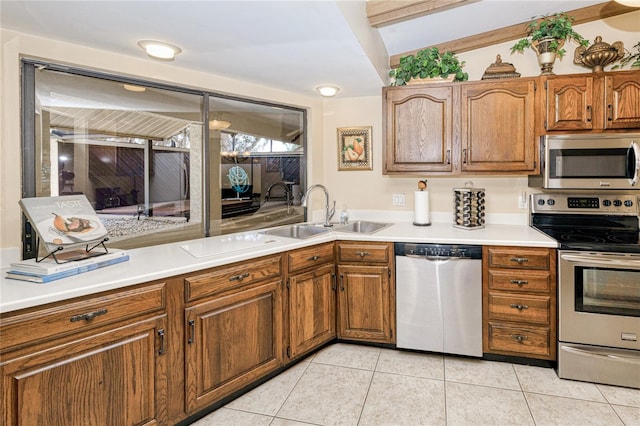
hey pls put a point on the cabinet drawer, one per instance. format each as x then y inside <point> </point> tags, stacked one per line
<point>522,340</point>
<point>61,320</point>
<point>520,280</point>
<point>519,257</point>
<point>311,256</point>
<point>363,252</point>
<point>529,309</point>
<point>233,276</point>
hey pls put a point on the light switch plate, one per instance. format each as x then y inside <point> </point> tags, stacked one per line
<point>398,200</point>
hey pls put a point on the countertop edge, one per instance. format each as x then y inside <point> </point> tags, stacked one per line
<point>144,263</point>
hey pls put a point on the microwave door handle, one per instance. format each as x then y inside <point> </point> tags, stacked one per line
<point>596,261</point>
<point>634,150</point>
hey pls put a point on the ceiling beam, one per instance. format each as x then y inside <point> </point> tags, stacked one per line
<point>381,13</point>
<point>517,31</point>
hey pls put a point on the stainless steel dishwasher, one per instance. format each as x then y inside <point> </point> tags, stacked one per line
<point>439,298</point>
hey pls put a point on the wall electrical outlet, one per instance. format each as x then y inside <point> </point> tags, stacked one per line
<point>522,200</point>
<point>398,200</point>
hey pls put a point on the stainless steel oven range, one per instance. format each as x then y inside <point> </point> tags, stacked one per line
<point>598,281</point>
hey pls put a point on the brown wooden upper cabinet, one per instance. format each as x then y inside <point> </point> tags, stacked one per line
<point>498,126</point>
<point>419,129</point>
<point>476,127</point>
<point>593,101</point>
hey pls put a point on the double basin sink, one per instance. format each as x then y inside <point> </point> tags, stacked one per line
<point>307,230</point>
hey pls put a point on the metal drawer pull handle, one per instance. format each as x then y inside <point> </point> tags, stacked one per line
<point>519,307</point>
<point>519,337</point>
<point>192,331</point>
<point>520,282</point>
<point>313,258</point>
<point>588,113</point>
<point>609,112</point>
<point>88,316</point>
<point>362,253</point>
<point>161,335</point>
<point>239,277</point>
<point>519,260</point>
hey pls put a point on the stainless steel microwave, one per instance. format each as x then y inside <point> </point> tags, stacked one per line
<point>581,161</point>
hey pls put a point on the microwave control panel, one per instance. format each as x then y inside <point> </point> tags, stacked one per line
<point>618,204</point>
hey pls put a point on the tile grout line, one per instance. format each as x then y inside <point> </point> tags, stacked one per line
<point>524,395</point>
<point>291,391</point>
<point>369,388</point>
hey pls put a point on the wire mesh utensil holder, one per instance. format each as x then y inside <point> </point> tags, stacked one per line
<point>468,207</point>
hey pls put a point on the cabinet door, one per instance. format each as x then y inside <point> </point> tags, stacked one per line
<point>419,127</point>
<point>498,126</point>
<point>622,95</point>
<point>231,342</point>
<point>364,303</point>
<point>569,103</point>
<point>110,378</point>
<point>312,307</point>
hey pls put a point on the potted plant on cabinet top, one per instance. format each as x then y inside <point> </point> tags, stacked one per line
<point>546,35</point>
<point>632,58</point>
<point>428,64</point>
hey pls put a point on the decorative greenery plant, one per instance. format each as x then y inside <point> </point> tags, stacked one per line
<point>426,63</point>
<point>558,26</point>
<point>633,58</point>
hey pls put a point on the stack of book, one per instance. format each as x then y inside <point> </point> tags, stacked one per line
<point>48,270</point>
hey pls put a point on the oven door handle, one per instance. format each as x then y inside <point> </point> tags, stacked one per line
<point>595,260</point>
<point>628,359</point>
<point>634,149</point>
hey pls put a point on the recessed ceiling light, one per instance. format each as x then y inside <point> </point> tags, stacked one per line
<point>134,88</point>
<point>159,49</point>
<point>328,90</point>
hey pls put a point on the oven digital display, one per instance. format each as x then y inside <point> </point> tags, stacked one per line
<point>583,203</point>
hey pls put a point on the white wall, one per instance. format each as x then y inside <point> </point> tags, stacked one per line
<point>356,189</point>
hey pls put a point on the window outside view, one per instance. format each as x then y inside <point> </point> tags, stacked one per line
<point>137,152</point>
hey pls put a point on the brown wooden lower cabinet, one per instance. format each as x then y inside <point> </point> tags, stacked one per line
<point>519,301</point>
<point>364,303</point>
<point>232,341</point>
<point>311,282</point>
<point>114,377</point>
<point>366,293</point>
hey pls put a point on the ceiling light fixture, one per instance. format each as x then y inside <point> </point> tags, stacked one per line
<point>630,3</point>
<point>328,90</point>
<point>218,124</point>
<point>134,88</point>
<point>159,49</point>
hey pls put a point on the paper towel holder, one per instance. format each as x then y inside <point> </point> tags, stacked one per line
<point>422,185</point>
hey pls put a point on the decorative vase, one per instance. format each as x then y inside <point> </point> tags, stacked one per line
<point>599,54</point>
<point>546,55</point>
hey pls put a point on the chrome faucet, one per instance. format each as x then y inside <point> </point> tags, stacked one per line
<point>329,212</point>
<point>287,192</point>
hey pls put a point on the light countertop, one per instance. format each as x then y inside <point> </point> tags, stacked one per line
<point>162,261</point>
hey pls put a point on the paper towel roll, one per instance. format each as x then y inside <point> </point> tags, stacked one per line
<point>421,208</point>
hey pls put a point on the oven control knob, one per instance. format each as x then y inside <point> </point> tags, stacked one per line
<point>551,201</point>
<point>541,202</point>
<point>628,203</point>
<point>606,203</point>
<point>617,203</point>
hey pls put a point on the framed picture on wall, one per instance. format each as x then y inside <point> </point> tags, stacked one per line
<point>354,148</point>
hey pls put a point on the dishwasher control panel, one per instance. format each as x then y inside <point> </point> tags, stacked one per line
<point>463,251</point>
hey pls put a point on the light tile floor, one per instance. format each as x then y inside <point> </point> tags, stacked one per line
<point>360,385</point>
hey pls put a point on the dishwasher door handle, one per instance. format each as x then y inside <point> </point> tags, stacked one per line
<point>433,258</point>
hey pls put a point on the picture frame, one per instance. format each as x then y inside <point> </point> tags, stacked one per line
<point>354,148</point>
